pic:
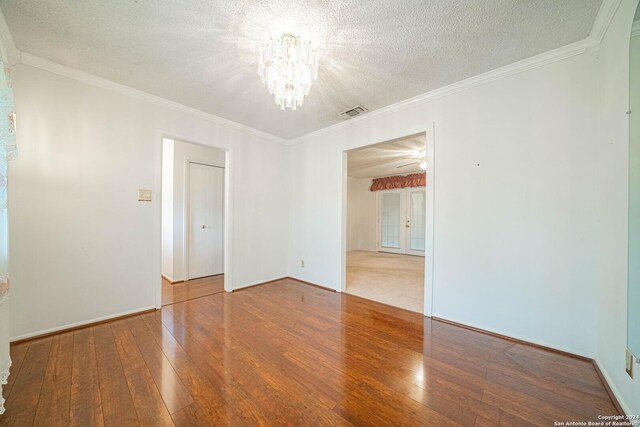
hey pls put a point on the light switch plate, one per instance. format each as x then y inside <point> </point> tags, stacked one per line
<point>629,363</point>
<point>144,195</point>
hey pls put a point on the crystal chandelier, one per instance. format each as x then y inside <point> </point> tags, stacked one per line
<point>288,66</point>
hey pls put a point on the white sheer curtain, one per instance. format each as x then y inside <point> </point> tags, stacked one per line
<point>7,152</point>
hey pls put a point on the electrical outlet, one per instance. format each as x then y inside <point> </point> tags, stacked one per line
<point>629,363</point>
<point>302,263</point>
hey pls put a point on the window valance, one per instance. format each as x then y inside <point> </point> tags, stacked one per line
<point>404,181</point>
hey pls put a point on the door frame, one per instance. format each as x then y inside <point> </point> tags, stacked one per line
<point>429,257</point>
<point>229,167</point>
<point>186,213</point>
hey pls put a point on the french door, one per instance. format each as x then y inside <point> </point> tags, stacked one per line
<point>402,221</point>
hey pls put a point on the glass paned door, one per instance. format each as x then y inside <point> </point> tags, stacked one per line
<point>391,235</point>
<point>402,221</point>
<point>417,221</point>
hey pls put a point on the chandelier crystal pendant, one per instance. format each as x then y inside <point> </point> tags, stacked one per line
<point>287,67</point>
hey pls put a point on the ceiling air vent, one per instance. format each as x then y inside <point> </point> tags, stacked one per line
<point>352,112</point>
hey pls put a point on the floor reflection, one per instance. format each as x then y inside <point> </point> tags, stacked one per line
<point>291,354</point>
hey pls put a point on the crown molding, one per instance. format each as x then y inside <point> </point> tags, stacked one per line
<point>55,68</point>
<point>578,48</point>
<point>574,49</point>
<point>605,15</point>
<point>10,54</point>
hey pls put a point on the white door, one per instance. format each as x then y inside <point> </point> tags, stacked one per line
<point>206,220</point>
<point>401,221</point>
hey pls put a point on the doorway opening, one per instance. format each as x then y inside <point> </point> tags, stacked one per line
<point>193,221</point>
<point>386,222</point>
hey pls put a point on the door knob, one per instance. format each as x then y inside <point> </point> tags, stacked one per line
<point>204,226</point>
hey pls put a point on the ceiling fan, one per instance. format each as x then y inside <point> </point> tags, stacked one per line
<point>420,160</point>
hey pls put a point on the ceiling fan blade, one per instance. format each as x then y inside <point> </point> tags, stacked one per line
<point>408,164</point>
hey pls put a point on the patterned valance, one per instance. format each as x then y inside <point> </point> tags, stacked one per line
<point>391,182</point>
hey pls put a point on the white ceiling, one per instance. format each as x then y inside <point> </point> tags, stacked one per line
<point>203,53</point>
<point>383,159</point>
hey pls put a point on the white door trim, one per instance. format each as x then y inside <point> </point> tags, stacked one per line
<point>430,202</point>
<point>429,131</point>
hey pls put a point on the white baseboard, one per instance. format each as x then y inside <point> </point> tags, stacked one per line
<point>79,324</point>
<point>519,337</point>
<point>613,387</point>
<point>171,279</point>
<point>259,282</point>
<point>307,282</point>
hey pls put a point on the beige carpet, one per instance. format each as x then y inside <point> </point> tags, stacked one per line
<point>393,279</point>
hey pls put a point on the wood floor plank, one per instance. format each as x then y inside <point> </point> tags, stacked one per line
<point>147,400</point>
<point>22,419</point>
<point>290,354</point>
<point>253,352</point>
<point>189,416</point>
<point>18,353</point>
<point>519,410</point>
<point>241,390</point>
<point>173,392</point>
<point>54,404</point>
<point>86,402</point>
<point>161,334</point>
<point>584,403</point>
<point>210,404</point>
<point>117,404</point>
<point>453,407</point>
<point>26,391</point>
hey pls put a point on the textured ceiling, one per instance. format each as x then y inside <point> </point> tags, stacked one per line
<point>203,53</point>
<point>383,159</point>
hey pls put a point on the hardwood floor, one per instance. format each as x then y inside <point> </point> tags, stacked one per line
<point>196,288</point>
<point>290,354</point>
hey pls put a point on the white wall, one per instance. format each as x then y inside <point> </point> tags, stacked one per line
<point>611,197</point>
<point>361,215</point>
<point>167,208</point>
<point>195,153</point>
<point>516,237</point>
<point>83,247</point>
